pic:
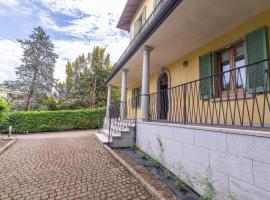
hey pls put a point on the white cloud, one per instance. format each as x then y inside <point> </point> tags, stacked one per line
<point>10,55</point>
<point>93,23</point>
<point>10,2</point>
<point>68,51</point>
<point>73,7</point>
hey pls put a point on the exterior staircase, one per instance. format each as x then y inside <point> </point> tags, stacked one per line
<point>120,133</point>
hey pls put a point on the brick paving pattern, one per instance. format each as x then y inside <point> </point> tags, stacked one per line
<point>64,166</point>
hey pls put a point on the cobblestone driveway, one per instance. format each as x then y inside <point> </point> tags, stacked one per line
<point>64,166</point>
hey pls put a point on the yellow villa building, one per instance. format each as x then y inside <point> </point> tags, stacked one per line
<point>195,77</point>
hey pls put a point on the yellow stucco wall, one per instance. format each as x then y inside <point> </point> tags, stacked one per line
<point>180,74</point>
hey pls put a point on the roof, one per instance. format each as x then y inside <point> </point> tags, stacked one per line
<point>128,13</point>
<point>164,12</point>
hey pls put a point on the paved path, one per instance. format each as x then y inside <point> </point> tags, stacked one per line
<point>70,165</point>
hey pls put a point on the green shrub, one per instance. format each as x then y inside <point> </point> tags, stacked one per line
<point>47,121</point>
<point>154,163</point>
<point>180,184</point>
<point>4,112</point>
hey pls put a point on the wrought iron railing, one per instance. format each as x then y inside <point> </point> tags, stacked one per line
<point>121,116</point>
<point>237,97</point>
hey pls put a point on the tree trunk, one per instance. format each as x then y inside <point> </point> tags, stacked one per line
<point>28,102</point>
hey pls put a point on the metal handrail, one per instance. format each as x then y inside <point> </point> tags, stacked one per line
<point>236,106</point>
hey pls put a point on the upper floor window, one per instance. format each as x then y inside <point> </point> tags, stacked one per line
<point>139,22</point>
<point>155,3</point>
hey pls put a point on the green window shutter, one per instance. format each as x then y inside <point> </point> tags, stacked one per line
<point>154,3</point>
<point>135,27</point>
<point>256,50</point>
<point>205,65</point>
<point>144,15</point>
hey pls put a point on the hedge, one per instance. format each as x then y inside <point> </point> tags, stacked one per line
<point>48,121</point>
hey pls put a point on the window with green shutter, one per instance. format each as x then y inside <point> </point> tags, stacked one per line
<point>205,65</point>
<point>155,3</point>
<point>135,27</point>
<point>144,15</point>
<point>256,50</point>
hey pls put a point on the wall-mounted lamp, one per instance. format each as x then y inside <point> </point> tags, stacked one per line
<point>185,63</point>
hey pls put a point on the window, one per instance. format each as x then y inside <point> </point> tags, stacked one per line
<point>136,97</point>
<point>229,61</point>
<point>155,3</point>
<point>138,24</point>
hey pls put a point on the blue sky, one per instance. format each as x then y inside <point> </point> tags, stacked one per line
<point>75,27</point>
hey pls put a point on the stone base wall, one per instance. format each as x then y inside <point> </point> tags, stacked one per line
<point>236,162</point>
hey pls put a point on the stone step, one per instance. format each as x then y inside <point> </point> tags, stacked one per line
<point>102,138</point>
<point>114,134</point>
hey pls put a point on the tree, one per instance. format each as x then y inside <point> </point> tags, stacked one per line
<point>35,75</point>
<point>50,103</point>
<point>85,80</point>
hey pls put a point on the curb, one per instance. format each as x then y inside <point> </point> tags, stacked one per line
<point>9,144</point>
<point>157,195</point>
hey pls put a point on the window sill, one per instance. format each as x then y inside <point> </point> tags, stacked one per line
<point>232,98</point>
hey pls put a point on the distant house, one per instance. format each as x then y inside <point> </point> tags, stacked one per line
<point>195,91</point>
<point>11,95</point>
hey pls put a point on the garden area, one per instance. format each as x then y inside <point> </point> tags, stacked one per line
<point>49,121</point>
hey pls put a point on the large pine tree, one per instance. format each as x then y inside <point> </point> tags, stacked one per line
<point>35,75</point>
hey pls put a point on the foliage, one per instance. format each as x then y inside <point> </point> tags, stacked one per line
<point>180,184</point>
<point>50,103</point>
<point>208,189</point>
<point>154,163</point>
<point>43,121</point>
<point>84,85</point>
<point>167,173</point>
<point>35,75</point>
<point>4,110</point>
<point>141,153</point>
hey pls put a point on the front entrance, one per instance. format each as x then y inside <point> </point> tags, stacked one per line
<point>163,97</point>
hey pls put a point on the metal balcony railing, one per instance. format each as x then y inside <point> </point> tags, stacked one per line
<point>237,97</point>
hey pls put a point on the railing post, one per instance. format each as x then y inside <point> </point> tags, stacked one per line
<point>185,103</point>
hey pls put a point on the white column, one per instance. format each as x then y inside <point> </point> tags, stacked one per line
<point>123,93</point>
<point>145,82</point>
<point>109,96</point>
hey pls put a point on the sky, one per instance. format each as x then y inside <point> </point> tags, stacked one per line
<point>74,26</point>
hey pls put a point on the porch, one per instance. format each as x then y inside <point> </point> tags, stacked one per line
<point>225,99</point>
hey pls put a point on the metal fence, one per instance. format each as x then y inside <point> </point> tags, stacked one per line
<point>236,97</point>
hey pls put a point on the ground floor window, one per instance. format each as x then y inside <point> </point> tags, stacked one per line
<point>229,63</point>
<point>136,97</point>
